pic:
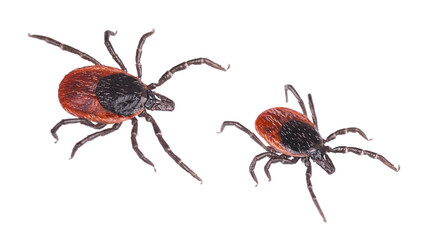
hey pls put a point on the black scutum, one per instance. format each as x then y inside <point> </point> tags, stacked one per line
<point>299,136</point>
<point>120,94</point>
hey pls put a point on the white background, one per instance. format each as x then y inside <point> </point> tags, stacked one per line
<point>369,64</point>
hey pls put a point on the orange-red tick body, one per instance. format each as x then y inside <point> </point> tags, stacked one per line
<point>288,131</point>
<point>77,93</point>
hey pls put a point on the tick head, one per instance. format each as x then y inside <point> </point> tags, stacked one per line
<point>155,101</point>
<point>320,157</point>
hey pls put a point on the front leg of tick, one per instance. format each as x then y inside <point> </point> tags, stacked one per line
<point>197,61</point>
<point>359,151</point>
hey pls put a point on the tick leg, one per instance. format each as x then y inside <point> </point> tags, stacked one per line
<point>283,159</point>
<point>310,187</point>
<point>135,144</point>
<point>93,136</point>
<point>358,151</point>
<point>166,147</point>
<point>255,160</point>
<point>345,131</point>
<point>74,120</point>
<point>110,48</point>
<point>197,61</point>
<point>247,131</point>
<point>300,101</point>
<point>312,109</point>
<point>66,48</point>
<point>139,51</point>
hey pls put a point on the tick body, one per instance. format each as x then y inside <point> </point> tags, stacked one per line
<point>288,131</point>
<point>99,95</point>
<point>102,94</point>
<point>292,136</point>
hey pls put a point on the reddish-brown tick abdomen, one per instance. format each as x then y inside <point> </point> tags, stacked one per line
<point>77,94</point>
<point>269,124</point>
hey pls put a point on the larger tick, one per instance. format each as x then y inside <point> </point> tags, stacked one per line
<point>99,95</point>
<point>292,137</point>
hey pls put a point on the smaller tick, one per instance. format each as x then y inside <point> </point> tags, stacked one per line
<point>292,137</point>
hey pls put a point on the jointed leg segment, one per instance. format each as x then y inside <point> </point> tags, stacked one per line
<point>247,131</point>
<point>258,158</point>
<point>300,101</point>
<point>75,120</point>
<point>310,188</point>
<point>358,151</point>
<point>184,65</point>
<point>284,159</point>
<point>111,49</point>
<point>135,144</point>
<point>139,52</point>
<point>66,47</point>
<point>166,147</point>
<point>345,131</point>
<point>93,136</point>
<point>312,110</point>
